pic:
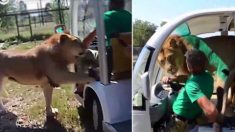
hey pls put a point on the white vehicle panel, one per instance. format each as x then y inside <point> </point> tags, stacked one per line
<point>141,121</point>
<point>115,99</point>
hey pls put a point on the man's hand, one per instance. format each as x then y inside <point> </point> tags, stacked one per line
<point>180,78</point>
<point>208,108</point>
<point>167,79</point>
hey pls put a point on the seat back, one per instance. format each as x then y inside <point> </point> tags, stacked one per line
<point>121,52</point>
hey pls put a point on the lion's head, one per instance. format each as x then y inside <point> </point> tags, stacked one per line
<point>66,47</point>
<point>171,57</point>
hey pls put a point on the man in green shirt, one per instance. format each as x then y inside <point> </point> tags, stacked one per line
<point>116,20</point>
<point>193,98</point>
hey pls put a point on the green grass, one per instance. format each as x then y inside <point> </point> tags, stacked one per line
<point>64,100</point>
<point>47,28</point>
<point>24,46</point>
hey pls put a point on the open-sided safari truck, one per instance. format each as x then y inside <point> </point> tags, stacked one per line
<point>209,30</point>
<point>107,102</point>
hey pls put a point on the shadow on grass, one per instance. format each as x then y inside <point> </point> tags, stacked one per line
<point>8,123</point>
<point>85,121</point>
<point>54,125</point>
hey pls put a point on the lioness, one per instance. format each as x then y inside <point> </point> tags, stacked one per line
<point>219,51</point>
<point>44,65</point>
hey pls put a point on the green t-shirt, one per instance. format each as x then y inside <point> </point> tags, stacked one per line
<point>117,21</point>
<point>195,87</point>
<point>212,57</point>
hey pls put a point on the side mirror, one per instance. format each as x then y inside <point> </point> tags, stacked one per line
<point>145,85</point>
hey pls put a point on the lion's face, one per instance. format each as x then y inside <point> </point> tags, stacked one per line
<point>171,57</point>
<point>69,47</point>
<point>73,48</point>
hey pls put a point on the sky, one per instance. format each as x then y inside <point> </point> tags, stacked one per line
<point>156,11</point>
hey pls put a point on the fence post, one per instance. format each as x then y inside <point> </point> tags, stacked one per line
<point>30,27</point>
<point>61,22</point>
<point>17,27</point>
<point>42,14</point>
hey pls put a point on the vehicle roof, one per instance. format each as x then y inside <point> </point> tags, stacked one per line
<point>211,24</point>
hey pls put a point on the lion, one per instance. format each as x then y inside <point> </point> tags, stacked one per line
<point>221,63</point>
<point>45,65</point>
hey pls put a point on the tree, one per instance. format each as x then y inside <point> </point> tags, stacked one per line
<point>22,6</point>
<point>48,6</point>
<point>142,31</point>
<point>48,15</point>
<point>6,21</point>
<point>61,16</point>
<point>163,23</point>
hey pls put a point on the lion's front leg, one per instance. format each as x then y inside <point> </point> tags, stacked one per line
<point>48,91</point>
<point>63,77</point>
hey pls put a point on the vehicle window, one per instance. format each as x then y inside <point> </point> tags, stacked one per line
<point>206,33</point>
<point>86,17</point>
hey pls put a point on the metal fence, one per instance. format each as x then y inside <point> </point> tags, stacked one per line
<point>32,24</point>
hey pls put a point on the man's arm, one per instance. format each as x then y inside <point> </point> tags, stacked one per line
<point>180,78</point>
<point>208,108</point>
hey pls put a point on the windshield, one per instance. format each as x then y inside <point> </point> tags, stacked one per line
<point>86,17</point>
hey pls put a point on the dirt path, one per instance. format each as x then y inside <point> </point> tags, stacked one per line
<point>15,119</point>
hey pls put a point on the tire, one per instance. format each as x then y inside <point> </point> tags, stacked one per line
<point>95,115</point>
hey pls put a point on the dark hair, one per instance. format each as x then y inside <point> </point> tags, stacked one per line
<point>196,59</point>
<point>116,4</point>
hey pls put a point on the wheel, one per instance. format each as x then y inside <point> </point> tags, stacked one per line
<point>95,114</point>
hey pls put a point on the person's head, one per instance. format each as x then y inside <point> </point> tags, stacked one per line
<point>196,61</point>
<point>116,4</point>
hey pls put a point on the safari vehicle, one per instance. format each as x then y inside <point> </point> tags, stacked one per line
<point>107,102</point>
<point>151,103</point>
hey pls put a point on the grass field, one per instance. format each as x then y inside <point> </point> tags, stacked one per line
<point>27,102</point>
<point>47,28</point>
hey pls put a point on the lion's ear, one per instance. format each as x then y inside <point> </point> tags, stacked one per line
<point>62,38</point>
<point>173,43</point>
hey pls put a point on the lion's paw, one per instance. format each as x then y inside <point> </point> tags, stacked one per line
<point>53,112</point>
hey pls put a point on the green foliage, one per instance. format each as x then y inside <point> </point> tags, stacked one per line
<point>22,6</point>
<point>64,13</point>
<point>6,22</point>
<point>142,31</point>
<point>163,23</point>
